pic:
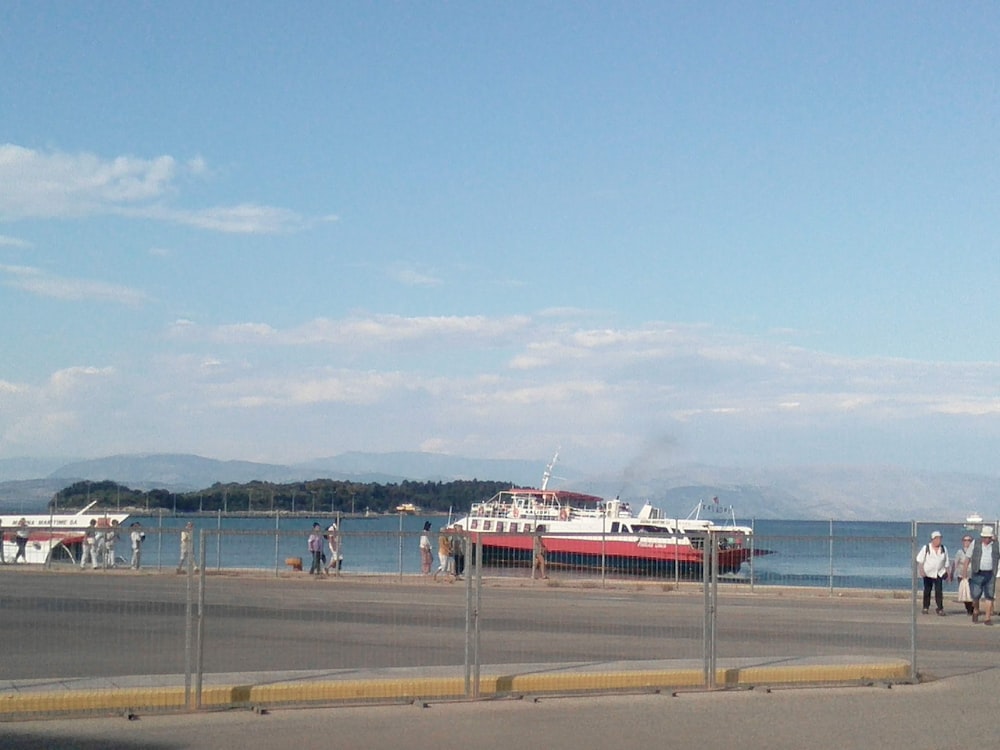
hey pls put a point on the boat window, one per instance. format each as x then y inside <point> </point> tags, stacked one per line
<point>499,525</point>
<point>487,525</point>
<point>513,527</point>
<point>615,527</point>
<point>475,523</point>
<point>527,528</point>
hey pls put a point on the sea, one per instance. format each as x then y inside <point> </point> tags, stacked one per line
<point>832,554</point>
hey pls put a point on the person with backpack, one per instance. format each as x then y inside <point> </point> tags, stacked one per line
<point>932,562</point>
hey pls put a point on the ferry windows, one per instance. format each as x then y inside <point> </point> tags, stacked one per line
<point>499,525</point>
<point>475,523</point>
<point>487,525</point>
<point>615,527</point>
<point>513,528</point>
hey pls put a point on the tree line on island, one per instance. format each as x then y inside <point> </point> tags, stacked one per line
<point>314,496</point>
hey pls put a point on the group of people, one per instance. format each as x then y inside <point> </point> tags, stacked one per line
<point>322,564</point>
<point>975,567</point>
<point>451,553</point>
<point>99,545</point>
<point>98,548</point>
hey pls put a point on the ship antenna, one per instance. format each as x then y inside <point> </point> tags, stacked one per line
<point>548,470</point>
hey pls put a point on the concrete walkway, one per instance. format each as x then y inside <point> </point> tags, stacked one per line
<point>959,711</point>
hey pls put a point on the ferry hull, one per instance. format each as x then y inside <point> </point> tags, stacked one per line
<point>637,556</point>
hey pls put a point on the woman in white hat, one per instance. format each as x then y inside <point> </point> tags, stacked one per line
<point>933,565</point>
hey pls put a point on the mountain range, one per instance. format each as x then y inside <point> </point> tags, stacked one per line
<point>807,492</point>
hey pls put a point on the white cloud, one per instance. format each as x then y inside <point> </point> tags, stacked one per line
<point>413,277</point>
<point>7,241</point>
<point>331,385</point>
<point>361,332</point>
<point>35,281</point>
<point>247,218</point>
<point>36,184</point>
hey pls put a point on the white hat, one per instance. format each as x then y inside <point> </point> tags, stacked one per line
<point>935,535</point>
<point>987,531</point>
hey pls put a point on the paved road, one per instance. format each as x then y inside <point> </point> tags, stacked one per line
<point>70,623</point>
<point>123,623</point>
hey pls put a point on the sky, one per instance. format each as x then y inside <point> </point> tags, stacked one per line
<point>737,234</point>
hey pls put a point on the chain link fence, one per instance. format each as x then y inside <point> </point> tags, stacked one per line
<point>242,621</point>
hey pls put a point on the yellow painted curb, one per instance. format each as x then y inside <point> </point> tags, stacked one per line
<point>391,689</point>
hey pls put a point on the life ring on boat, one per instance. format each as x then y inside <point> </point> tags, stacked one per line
<point>515,512</point>
<point>564,514</point>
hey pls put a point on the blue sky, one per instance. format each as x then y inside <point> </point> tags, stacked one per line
<point>730,233</point>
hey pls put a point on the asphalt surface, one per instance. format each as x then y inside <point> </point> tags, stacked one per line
<point>80,624</point>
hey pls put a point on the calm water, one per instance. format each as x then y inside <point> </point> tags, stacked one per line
<point>840,554</point>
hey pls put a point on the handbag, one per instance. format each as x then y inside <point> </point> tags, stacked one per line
<point>964,595</point>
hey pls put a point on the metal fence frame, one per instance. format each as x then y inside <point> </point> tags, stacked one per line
<point>197,603</point>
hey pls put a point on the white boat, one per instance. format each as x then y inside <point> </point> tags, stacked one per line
<point>973,521</point>
<point>53,536</point>
<point>585,531</point>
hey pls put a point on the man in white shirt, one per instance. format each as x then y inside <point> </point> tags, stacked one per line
<point>933,562</point>
<point>983,573</point>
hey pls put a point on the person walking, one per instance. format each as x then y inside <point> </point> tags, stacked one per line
<point>933,566</point>
<point>538,555</point>
<point>333,543</point>
<point>21,537</point>
<point>110,540</point>
<point>89,549</point>
<point>136,536</point>
<point>426,555</point>
<point>458,553</point>
<point>187,548</point>
<point>445,560</point>
<point>982,582</point>
<point>960,572</point>
<point>315,545</point>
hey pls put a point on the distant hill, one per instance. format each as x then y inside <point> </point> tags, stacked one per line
<point>178,472</point>
<point>27,495</point>
<point>13,469</point>
<point>808,492</point>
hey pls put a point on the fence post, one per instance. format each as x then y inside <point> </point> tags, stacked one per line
<point>199,670</point>
<point>709,581</point>
<point>831,557</point>
<point>469,613</point>
<point>277,551</point>
<point>477,609</point>
<point>188,633</point>
<point>913,601</point>
<point>399,554</point>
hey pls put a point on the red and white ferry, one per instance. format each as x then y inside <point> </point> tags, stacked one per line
<point>587,532</point>
<point>52,536</point>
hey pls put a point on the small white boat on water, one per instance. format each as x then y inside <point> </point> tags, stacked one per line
<point>52,536</point>
<point>973,521</point>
